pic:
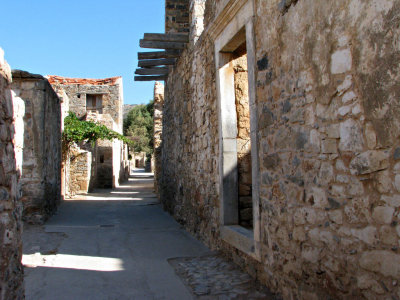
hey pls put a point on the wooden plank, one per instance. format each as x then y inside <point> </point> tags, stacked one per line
<point>156,62</point>
<point>152,71</point>
<point>159,54</point>
<point>161,45</point>
<point>167,37</point>
<point>150,78</point>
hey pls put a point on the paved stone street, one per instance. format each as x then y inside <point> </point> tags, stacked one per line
<point>120,244</point>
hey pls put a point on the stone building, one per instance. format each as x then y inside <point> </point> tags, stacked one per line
<point>41,169</point>
<point>11,143</point>
<point>105,164</point>
<point>280,142</point>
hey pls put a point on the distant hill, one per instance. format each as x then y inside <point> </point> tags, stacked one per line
<point>127,108</point>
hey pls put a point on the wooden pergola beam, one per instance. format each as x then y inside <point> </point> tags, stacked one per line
<point>161,45</point>
<point>156,62</point>
<point>150,78</point>
<point>159,54</point>
<point>152,71</point>
<point>167,37</point>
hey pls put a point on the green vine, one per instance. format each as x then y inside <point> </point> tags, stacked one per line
<point>78,131</point>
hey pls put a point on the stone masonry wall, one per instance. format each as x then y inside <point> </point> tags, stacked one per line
<point>327,80</point>
<point>11,271</point>
<point>80,168</point>
<point>157,126</point>
<point>78,88</point>
<point>176,16</point>
<point>41,172</point>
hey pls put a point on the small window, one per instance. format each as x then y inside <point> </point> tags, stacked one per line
<point>101,159</point>
<point>94,103</point>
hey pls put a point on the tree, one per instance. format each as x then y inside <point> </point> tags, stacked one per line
<point>138,127</point>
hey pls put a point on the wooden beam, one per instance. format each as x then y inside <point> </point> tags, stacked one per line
<point>152,71</point>
<point>156,62</point>
<point>150,78</point>
<point>159,54</point>
<point>167,37</point>
<point>161,45</point>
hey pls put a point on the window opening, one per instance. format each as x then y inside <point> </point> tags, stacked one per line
<point>94,103</point>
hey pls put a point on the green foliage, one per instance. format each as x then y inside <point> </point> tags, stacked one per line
<point>138,127</point>
<point>77,131</point>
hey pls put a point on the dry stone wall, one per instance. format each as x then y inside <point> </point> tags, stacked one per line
<point>176,16</point>
<point>11,110</point>
<point>157,129</point>
<point>41,172</point>
<point>327,80</point>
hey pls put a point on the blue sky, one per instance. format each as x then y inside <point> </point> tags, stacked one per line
<point>81,38</point>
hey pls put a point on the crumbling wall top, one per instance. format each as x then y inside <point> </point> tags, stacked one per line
<point>53,79</point>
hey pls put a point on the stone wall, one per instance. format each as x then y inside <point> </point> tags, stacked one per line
<point>11,138</point>
<point>77,90</point>
<point>157,129</point>
<point>176,16</point>
<point>326,80</point>
<point>80,171</point>
<point>41,172</point>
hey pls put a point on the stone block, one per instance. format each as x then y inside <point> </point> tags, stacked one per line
<point>397,182</point>
<point>368,162</point>
<point>370,136</point>
<point>351,138</point>
<point>349,96</point>
<point>368,235</point>
<point>336,216</point>
<point>329,146</point>
<point>391,200</point>
<point>333,131</point>
<point>346,84</point>
<point>383,214</point>
<point>384,262</point>
<point>388,236</point>
<point>341,61</point>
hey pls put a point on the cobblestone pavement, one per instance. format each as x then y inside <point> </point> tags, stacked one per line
<point>214,277</point>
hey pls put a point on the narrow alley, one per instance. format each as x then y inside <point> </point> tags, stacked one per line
<point>120,244</point>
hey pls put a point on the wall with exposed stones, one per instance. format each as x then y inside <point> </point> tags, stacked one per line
<point>41,172</point>
<point>77,90</point>
<point>176,16</point>
<point>157,129</point>
<point>326,84</point>
<point>80,171</point>
<point>11,141</point>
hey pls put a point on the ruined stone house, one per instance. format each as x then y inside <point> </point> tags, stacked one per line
<point>280,139</point>
<point>99,100</point>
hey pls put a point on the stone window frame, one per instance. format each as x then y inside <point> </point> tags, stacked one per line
<point>235,29</point>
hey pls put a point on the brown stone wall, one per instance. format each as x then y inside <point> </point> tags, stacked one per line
<point>157,126</point>
<point>80,171</point>
<point>11,271</point>
<point>41,172</point>
<point>189,174</point>
<point>176,16</point>
<point>327,80</point>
